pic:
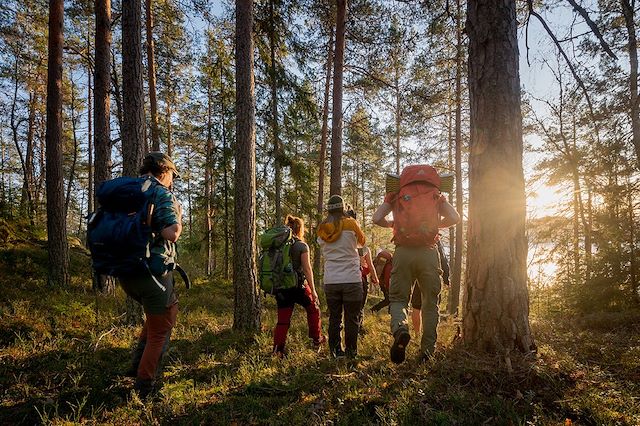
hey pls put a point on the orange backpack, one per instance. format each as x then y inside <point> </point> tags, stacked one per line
<point>415,207</point>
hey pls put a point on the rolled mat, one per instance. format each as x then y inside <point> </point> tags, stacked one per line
<point>392,182</point>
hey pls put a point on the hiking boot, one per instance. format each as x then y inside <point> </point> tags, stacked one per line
<point>317,344</point>
<point>401,339</point>
<point>145,388</point>
<point>424,357</point>
<point>351,354</point>
<point>338,353</point>
<point>279,352</point>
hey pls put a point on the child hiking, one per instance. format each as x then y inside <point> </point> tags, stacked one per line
<point>419,211</point>
<point>303,294</point>
<point>339,237</point>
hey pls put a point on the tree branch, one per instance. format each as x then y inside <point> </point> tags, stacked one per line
<point>594,28</point>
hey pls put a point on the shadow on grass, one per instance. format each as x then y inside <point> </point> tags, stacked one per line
<point>64,384</point>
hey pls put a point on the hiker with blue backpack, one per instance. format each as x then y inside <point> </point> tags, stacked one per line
<point>419,211</point>
<point>133,237</point>
<point>339,237</point>
<point>303,292</point>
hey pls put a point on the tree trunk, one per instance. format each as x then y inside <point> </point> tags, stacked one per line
<point>225,176</point>
<point>133,102</point>
<point>74,160</point>
<point>133,143</point>
<point>247,300</point>
<point>56,224</point>
<point>335,185</point>
<point>89,136</point>
<point>208,174</point>
<point>634,99</point>
<point>323,144</point>
<point>496,305</point>
<point>275,127</point>
<point>102,115</point>
<point>117,95</point>
<point>27,183</point>
<point>456,278</point>
<point>151,74</point>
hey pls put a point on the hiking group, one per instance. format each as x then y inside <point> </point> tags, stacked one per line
<point>133,237</point>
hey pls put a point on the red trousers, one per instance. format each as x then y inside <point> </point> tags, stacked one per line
<point>286,300</point>
<point>155,339</point>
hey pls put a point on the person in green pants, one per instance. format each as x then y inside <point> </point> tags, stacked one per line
<point>415,261</point>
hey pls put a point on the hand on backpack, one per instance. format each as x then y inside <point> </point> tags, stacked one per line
<point>316,299</point>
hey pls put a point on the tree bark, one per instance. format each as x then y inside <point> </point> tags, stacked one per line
<point>74,160</point>
<point>247,300</point>
<point>90,183</point>
<point>456,279</point>
<point>634,100</point>
<point>275,127</point>
<point>208,175</point>
<point>133,144</point>
<point>225,176</point>
<point>56,224</point>
<point>335,185</point>
<point>102,115</point>
<point>496,305</point>
<point>151,75</point>
<point>324,136</point>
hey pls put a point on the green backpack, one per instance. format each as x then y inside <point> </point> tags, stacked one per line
<point>275,268</point>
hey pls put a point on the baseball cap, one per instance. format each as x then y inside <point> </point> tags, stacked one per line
<point>164,160</point>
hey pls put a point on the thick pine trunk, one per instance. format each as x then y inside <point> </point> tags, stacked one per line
<point>56,224</point>
<point>496,305</point>
<point>102,114</point>
<point>133,143</point>
<point>151,75</point>
<point>208,184</point>
<point>335,185</point>
<point>225,176</point>
<point>247,300</point>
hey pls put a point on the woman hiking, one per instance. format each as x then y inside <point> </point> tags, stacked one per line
<point>304,294</point>
<point>339,237</point>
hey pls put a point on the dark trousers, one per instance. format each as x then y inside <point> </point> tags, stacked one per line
<point>345,297</point>
<point>384,302</point>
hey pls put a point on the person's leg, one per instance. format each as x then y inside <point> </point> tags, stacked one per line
<point>365,291</point>
<point>158,328</point>
<point>384,302</point>
<point>399,293</point>
<point>416,306</point>
<point>333,293</point>
<point>161,309</point>
<point>285,302</point>
<point>429,279</point>
<point>136,356</point>
<point>352,308</point>
<point>305,299</point>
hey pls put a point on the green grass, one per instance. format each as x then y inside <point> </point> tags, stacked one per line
<point>62,354</point>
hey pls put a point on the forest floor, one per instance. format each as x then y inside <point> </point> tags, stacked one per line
<point>63,354</point>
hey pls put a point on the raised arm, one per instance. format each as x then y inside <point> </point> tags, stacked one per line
<point>449,215</point>
<point>379,217</point>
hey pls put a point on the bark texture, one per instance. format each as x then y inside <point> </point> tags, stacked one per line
<point>496,305</point>
<point>151,75</point>
<point>247,300</point>
<point>56,224</point>
<point>335,185</point>
<point>133,144</point>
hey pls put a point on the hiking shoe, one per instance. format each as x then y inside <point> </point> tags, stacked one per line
<point>145,388</point>
<point>338,353</point>
<point>400,341</point>
<point>317,344</point>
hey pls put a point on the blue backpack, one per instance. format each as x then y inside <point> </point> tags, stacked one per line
<point>119,232</point>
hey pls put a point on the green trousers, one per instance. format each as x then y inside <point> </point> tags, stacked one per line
<point>411,264</point>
